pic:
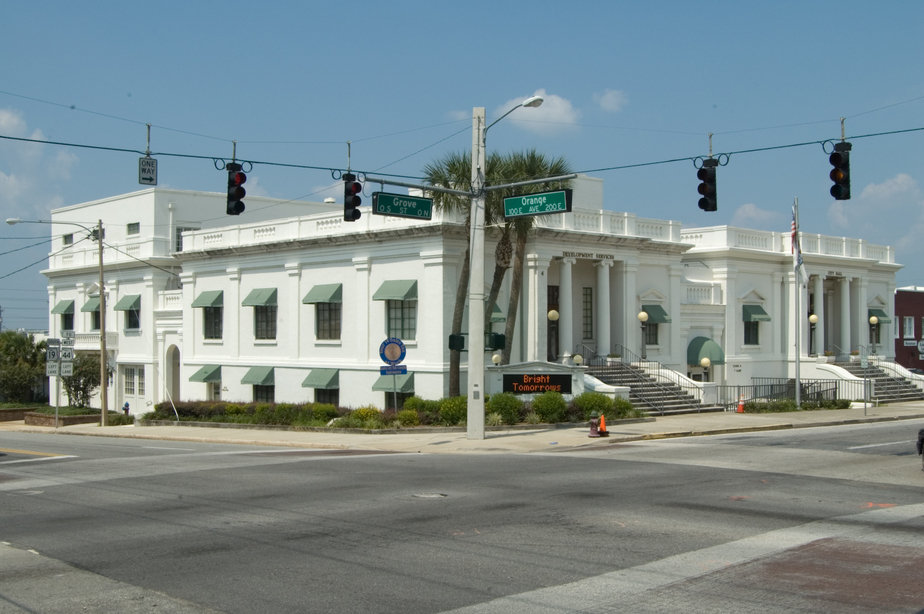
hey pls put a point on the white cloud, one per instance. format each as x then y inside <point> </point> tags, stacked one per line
<point>555,115</point>
<point>11,123</point>
<point>611,100</point>
<point>750,215</point>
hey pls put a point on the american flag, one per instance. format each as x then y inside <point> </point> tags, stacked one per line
<point>797,263</point>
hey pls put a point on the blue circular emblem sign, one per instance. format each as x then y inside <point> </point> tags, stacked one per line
<point>392,351</point>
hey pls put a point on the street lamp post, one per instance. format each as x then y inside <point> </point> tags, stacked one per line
<point>643,320</point>
<point>103,360</point>
<point>813,320</point>
<point>873,329</point>
<point>475,416</point>
<point>704,362</point>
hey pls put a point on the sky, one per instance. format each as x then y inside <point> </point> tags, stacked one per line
<point>632,91</point>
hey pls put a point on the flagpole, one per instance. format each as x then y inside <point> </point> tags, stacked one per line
<point>797,282</point>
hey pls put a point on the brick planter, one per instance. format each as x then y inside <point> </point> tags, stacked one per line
<point>36,419</point>
<point>13,414</point>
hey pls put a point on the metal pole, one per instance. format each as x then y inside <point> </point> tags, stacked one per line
<point>475,415</point>
<point>103,357</point>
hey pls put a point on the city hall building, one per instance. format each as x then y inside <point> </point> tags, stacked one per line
<point>290,303</point>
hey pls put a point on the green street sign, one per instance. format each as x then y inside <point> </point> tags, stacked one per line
<point>538,204</point>
<point>402,205</point>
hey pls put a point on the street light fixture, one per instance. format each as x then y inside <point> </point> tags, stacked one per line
<point>475,416</point>
<point>103,371</point>
<point>813,320</point>
<point>704,362</point>
<point>643,320</point>
<point>873,329</point>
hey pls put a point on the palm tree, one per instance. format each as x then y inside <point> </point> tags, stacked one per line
<point>523,166</point>
<point>454,172</point>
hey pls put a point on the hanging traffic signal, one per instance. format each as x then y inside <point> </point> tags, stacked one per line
<point>840,173</point>
<point>706,175</point>
<point>236,180</point>
<point>351,199</point>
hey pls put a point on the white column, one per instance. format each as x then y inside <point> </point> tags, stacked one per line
<point>289,323</point>
<point>603,340</point>
<point>632,337</point>
<point>818,290</point>
<point>844,287</point>
<point>566,308</point>
<point>537,309</point>
<point>231,311</point>
<point>862,315</point>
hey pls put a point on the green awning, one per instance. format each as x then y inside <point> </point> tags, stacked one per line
<point>324,293</point>
<point>325,379</point>
<point>260,297</point>
<point>395,383</point>
<point>879,313</point>
<point>497,315</point>
<point>704,347</point>
<point>396,290</point>
<point>656,314</point>
<point>259,376</point>
<point>207,373</point>
<point>91,305</point>
<point>754,313</point>
<point>129,302</point>
<point>63,307</point>
<point>209,298</point>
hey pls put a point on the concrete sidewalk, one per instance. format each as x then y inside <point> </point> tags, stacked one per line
<point>519,440</point>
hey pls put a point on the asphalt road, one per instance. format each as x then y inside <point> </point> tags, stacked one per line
<point>824,519</point>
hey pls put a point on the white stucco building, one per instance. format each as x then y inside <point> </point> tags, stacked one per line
<point>290,303</point>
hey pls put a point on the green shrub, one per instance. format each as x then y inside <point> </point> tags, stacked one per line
<point>550,406</point>
<point>366,413</point>
<point>589,402</point>
<point>623,408</point>
<point>453,410</point>
<point>408,417</point>
<point>493,419</point>
<point>324,412</point>
<point>507,405</point>
<point>532,418</point>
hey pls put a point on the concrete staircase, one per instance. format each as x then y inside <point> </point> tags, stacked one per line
<point>646,393</point>
<point>885,389</point>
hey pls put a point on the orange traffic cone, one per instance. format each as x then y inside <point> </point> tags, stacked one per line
<point>740,403</point>
<point>602,430</point>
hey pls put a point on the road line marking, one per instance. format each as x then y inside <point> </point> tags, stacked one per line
<point>878,445</point>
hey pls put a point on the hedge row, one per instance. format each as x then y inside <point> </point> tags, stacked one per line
<point>505,408</point>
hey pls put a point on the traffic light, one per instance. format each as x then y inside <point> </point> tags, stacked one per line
<point>706,175</point>
<point>494,341</point>
<point>351,199</point>
<point>236,180</point>
<point>840,173</point>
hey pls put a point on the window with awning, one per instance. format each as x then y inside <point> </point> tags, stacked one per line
<point>91,305</point>
<point>322,379</point>
<point>754,313</point>
<point>64,307</point>
<point>656,314</point>
<point>879,313</point>
<point>397,290</point>
<point>324,293</point>
<point>207,373</point>
<point>259,376</point>
<point>129,302</point>
<point>395,383</point>
<point>209,298</point>
<point>260,297</point>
